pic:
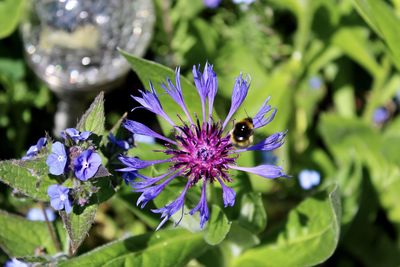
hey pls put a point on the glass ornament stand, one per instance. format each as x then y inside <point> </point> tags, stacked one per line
<point>71,45</point>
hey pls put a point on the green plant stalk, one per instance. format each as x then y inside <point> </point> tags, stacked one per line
<point>376,90</point>
<point>51,229</point>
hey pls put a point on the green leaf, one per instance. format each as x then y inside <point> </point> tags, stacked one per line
<point>129,200</point>
<point>10,14</point>
<point>384,22</point>
<point>164,248</point>
<point>353,140</point>
<point>149,71</point>
<point>241,239</point>
<point>309,237</point>
<point>30,177</point>
<point>354,42</point>
<point>14,69</point>
<point>366,240</point>
<point>252,213</point>
<point>78,224</point>
<point>20,237</point>
<point>218,226</point>
<point>346,137</point>
<point>93,120</point>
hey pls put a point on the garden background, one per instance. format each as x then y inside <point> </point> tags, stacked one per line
<point>331,68</point>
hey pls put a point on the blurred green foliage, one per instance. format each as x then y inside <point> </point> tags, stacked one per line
<point>327,65</point>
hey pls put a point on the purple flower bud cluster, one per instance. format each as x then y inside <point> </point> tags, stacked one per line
<point>76,159</point>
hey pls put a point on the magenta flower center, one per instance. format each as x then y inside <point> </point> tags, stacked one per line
<point>202,152</point>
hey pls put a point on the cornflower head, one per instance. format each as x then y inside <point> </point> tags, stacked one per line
<point>202,150</point>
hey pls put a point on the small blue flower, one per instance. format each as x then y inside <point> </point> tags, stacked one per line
<point>15,263</point>
<point>309,179</point>
<point>59,197</point>
<point>212,3</point>
<point>315,82</point>
<point>86,165</point>
<point>381,115</point>
<point>34,150</point>
<point>119,143</point>
<point>36,214</point>
<point>57,160</point>
<point>75,135</point>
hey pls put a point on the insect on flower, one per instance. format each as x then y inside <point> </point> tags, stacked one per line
<point>242,133</point>
<point>202,150</point>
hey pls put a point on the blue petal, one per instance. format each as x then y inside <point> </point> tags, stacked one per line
<point>212,84</point>
<point>133,163</point>
<point>266,171</point>
<point>272,142</point>
<point>57,160</point>
<point>67,206</point>
<point>89,158</point>
<point>150,193</point>
<point>175,92</point>
<point>52,191</point>
<point>228,194</point>
<point>172,208</point>
<point>58,148</point>
<point>239,93</point>
<point>259,120</point>
<point>202,207</point>
<point>57,204</point>
<point>150,101</point>
<point>84,135</point>
<point>139,128</point>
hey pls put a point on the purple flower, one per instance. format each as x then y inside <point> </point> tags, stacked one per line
<point>201,151</point>
<point>57,159</point>
<point>15,263</point>
<point>381,115</point>
<point>309,179</point>
<point>36,214</point>
<point>34,150</point>
<point>59,197</point>
<point>75,135</point>
<point>212,3</point>
<point>86,165</point>
<point>119,143</point>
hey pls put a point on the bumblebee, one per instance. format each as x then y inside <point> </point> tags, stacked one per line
<point>242,133</point>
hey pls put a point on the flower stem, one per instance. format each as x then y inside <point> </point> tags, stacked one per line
<point>51,229</point>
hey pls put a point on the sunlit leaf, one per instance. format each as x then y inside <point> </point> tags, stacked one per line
<point>164,248</point>
<point>10,14</point>
<point>309,237</point>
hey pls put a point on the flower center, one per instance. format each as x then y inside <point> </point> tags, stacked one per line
<point>85,165</point>
<point>63,197</point>
<point>202,152</point>
<point>60,158</point>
